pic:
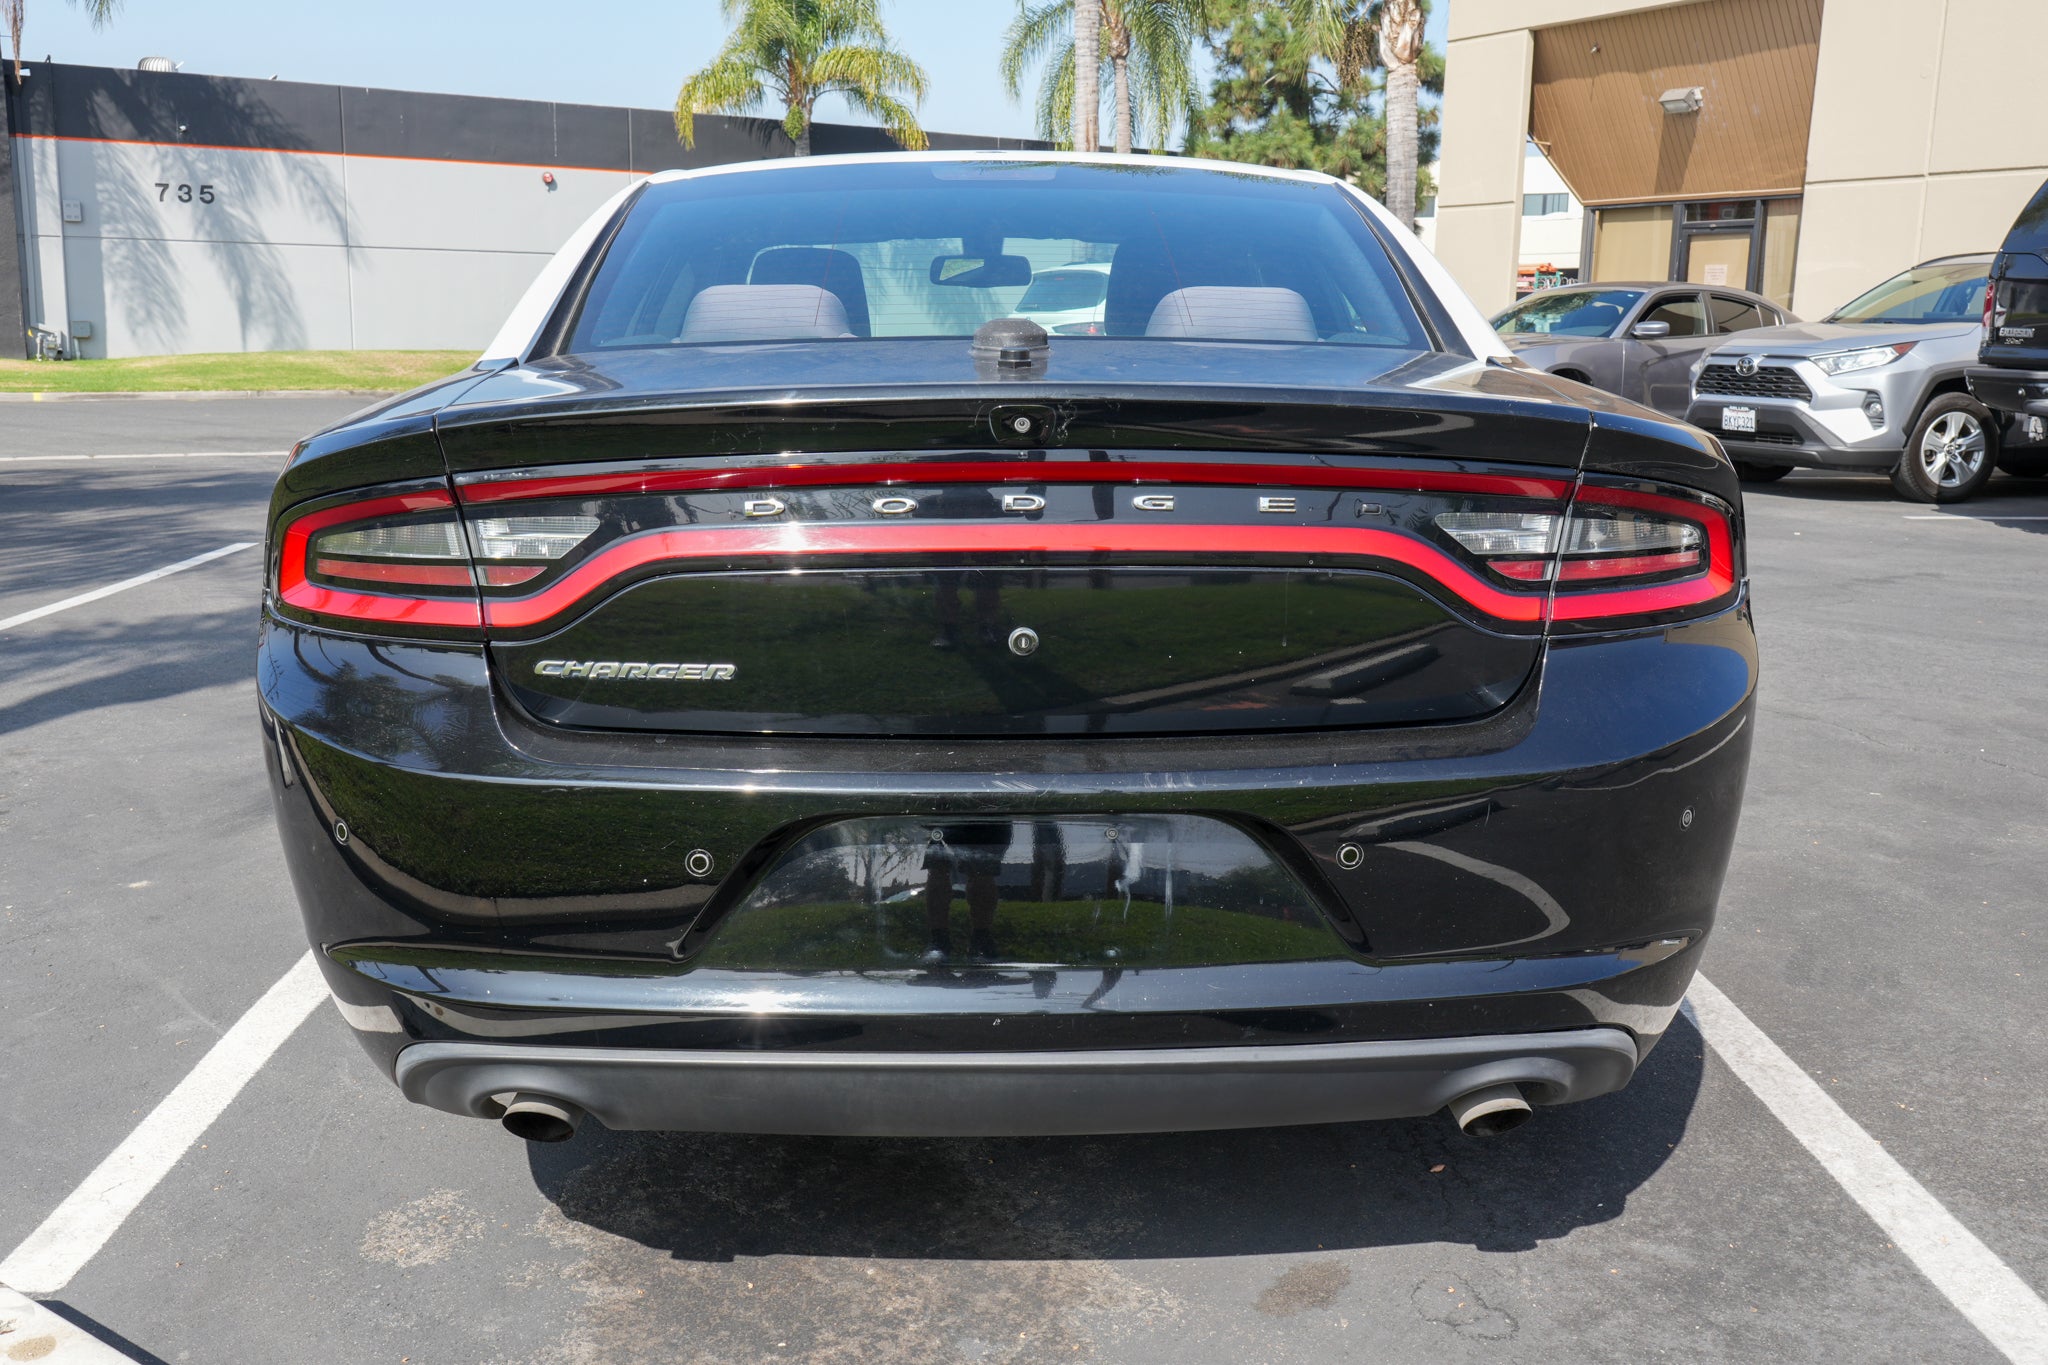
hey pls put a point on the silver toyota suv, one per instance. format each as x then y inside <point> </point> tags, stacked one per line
<point>1878,385</point>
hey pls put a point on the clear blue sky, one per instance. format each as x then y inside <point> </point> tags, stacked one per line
<point>631,52</point>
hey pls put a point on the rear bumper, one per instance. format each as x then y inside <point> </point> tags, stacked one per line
<point>506,897</point>
<point>856,1094</point>
<point>2005,390</point>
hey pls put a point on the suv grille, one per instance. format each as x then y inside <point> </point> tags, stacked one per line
<point>1770,381</point>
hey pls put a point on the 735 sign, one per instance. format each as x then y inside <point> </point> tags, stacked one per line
<point>185,194</point>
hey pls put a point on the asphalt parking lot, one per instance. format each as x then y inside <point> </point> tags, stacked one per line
<point>1882,925</point>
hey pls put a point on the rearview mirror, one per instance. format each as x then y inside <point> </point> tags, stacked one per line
<point>981,272</point>
<point>1650,331</point>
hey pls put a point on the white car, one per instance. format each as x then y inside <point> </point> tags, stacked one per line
<point>1068,298</point>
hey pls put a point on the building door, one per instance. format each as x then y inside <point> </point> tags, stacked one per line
<point>1716,243</point>
<point>1717,258</point>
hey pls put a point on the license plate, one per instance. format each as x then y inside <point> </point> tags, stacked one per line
<point>1738,419</point>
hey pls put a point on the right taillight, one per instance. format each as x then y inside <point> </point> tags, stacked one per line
<point>1632,556</point>
<point>1612,555</point>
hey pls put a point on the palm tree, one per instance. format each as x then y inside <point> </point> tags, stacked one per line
<point>1400,44</point>
<point>798,52</point>
<point>1087,75</point>
<point>1147,44</point>
<point>99,11</point>
<point>1348,36</point>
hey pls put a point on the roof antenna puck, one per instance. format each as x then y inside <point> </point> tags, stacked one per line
<point>1012,343</point>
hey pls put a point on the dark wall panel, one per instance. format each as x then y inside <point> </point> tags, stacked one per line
<point>225,111</point>
<point>172,106</point>
<point>448,127</point>
<point>594,136</point>
<point>720,141</point>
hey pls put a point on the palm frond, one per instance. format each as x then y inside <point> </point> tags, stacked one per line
<point>873,68</point>
<point>1055,109</point>
<point>730,85</point>
<point>892,114</point>
<point>1037,32</point>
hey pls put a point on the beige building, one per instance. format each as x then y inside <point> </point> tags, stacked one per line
<point>1552,222</point>
<point>1804,148</point>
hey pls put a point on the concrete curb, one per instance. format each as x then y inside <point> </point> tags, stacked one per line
<point>29,1331</point>
<point>179,394</point>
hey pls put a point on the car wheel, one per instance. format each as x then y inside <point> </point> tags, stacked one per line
<point>1952,452</point>
<point>1761,473</point>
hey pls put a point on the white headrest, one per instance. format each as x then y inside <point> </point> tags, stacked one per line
<point>1233,313</point>
<point>764,312</point>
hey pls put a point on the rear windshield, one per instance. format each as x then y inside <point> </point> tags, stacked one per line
<point>1947,291</point>
<point>924,249</point>
<point>1578,313</point>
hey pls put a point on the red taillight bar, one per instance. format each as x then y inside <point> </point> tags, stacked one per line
<point>702,543</point>
<point>1626,566</point>
<point>856,475</point>
<point>416,575</point>
<point>980,537</point>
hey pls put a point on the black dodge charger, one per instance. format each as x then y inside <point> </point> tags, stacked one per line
<point>782,689</point>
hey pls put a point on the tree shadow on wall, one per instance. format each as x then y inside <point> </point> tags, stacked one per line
<point>156,228</point>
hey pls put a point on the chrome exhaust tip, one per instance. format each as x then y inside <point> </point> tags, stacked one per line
<point>541,1118</point>
<point>1490,1111</point>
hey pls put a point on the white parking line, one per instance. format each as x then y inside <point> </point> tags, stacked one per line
<point>156,455</point>
<point>97,593</point>
<point>1969,516</point>
<point>2000,1305</point>
<point>45,1262</point>
<point>1969,1275</point>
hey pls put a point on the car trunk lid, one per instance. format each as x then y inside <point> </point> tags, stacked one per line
<point>1029,559</point>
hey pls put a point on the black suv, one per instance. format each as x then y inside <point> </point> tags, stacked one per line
<point>2011,376</point>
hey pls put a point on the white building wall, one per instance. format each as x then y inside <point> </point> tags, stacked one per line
<point>189,249</point>
<point>1553,239</point>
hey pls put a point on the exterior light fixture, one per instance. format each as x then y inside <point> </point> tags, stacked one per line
<point>1685,100</point>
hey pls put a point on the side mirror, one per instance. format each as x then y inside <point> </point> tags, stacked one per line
<point>981,272</point>
<point>1650,331</point>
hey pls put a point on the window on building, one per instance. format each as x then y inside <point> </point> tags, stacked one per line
<point>1721,211</point>
<point>1427,208</point>
<point>1536,205</point>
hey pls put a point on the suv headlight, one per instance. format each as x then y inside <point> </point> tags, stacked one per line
<point>1869,358</point>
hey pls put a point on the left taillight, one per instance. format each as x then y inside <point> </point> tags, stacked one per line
<point>397,559</point>
<point>405,559</point>
<point>1614,557</point>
